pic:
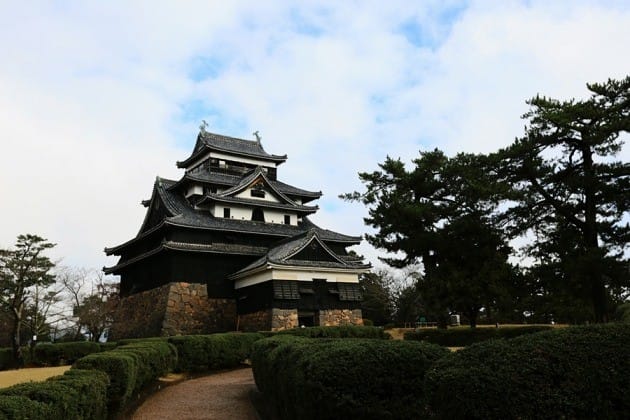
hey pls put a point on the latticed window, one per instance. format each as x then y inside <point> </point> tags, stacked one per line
<point>349,292</point>
<point>286,290</point>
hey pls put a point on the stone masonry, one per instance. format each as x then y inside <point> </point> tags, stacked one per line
<point>172,309</point>
<point>283,319</point>
<point>340,317</point>
<point>256,321</point>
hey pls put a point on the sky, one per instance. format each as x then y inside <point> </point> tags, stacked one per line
<point>99,98</point>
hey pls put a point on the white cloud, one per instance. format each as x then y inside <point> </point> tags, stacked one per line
<point>94,96</point>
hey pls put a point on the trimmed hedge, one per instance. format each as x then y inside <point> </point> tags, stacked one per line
<point>131,367</point>
<point>574,372</point>
<point>16,407</point>
<point>76,395</point>
<point>198,353</point>
<point>462,337</point>
<point>349,378</point>
<point>342,331</point>
<point>54,354</point>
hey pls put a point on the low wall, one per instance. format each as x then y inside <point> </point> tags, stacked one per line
<point>172,309</point>
<point>334,317</point>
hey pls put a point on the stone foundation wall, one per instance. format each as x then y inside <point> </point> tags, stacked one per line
<point>140,315</point>
<point>334,317</point>
<point>256,321</point>
<point>190,311</point>
<point>172,309</point>
<point>283,319</point>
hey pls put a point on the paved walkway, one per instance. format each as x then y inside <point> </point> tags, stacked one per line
<point>222,396</point>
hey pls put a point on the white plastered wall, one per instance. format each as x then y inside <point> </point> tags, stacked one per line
<point>299,275</point>
<point>269,196</point>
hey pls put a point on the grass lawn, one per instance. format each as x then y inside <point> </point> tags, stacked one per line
<point>12,377</point>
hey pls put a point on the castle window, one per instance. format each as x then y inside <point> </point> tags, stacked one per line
<point>226,212</point>
<point>258,215</point>
<point>257,193</point>
<point>287,219</point>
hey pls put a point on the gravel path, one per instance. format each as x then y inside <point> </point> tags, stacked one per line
<point>221,396</point>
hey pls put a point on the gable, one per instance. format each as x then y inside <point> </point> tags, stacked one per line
<point>314,251</point>
<point>259,190</point>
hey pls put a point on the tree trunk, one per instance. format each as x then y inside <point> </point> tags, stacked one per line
<point>594,273</point>
<point>15,336</point>
<point>472,317</point>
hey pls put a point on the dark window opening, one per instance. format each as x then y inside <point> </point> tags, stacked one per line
<point>285,290</point>
<point>226,213</point>
<point>306,319</point>
<point>257,193</point>
<point>258,215</point>
<point>349,292</point>
<point>287,219</point>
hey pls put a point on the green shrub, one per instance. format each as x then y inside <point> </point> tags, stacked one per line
<point>47,354</point>
<point>349,378</point>
<point>122,369</point>
<point>264,358</point>
<point>72,351</point>
<point>575,372</point>
<point>54,354</point>
<point>125,341</point>
<point>6,358</point>
<point>17,407</point>
<point>464,336</point>
<point>75,395</point>
<point>110,345</point>
<point>215,351</point>
<point>154,359</point>
<point>91,387</point>
<point>131,367</point>
<point>59,397</point>
<point>342,331</point>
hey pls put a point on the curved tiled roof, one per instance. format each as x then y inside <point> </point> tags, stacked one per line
<point>261,203</point>
<point>210,177</point>
<point>215,248</point>
<point>210,141</point>
<point>184,215</point>
<point>283,253</point>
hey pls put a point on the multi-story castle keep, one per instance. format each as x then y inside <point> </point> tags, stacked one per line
<point>229,246</point>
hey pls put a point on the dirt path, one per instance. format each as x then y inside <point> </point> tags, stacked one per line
<point>222,396</point>
<point>12,377</point>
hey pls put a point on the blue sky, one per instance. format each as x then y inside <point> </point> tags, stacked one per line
<point>99,98</point>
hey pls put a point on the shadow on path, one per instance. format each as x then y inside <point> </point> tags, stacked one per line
<point>221,396</point>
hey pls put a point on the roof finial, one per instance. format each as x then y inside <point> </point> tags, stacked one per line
<point>203,126</point>
<point>258,137</point>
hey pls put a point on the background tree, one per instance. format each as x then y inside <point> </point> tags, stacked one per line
<point>377,304</point>
<point>428,214</point>
<point>571,194</point>
<point>21,269</point>
<point>472,263</point>
<point>96,310</point>
<point>41,311</point>
<point>76,283</point>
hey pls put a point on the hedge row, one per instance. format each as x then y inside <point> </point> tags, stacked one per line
<point>350,378</point>
<point>342,331</point>
<point>217,351</point>
<point>55,354</point>
<point>78,394</point>
<point>464,336</point>
<point>574,372</point>
<point>131,367</point>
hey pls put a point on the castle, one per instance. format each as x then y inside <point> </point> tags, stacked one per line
<point>230,247</point>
